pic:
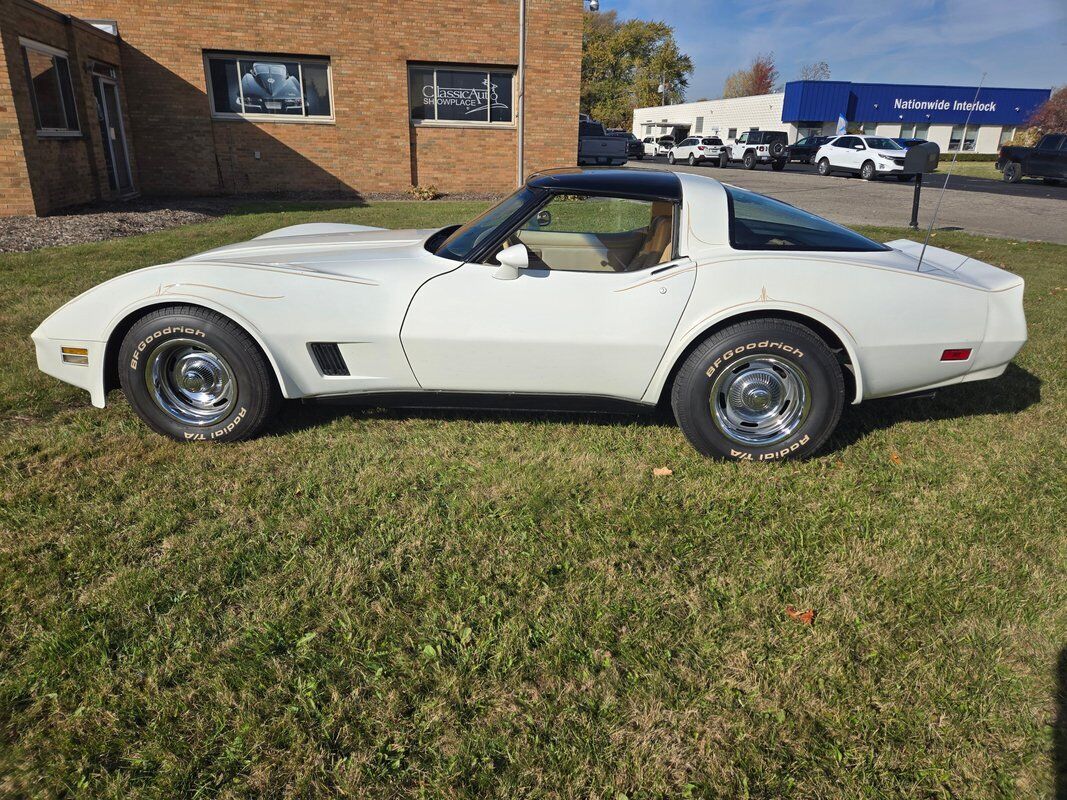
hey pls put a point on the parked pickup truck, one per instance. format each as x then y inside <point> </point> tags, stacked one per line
<point>596,147</point>
<point>1048,160</point>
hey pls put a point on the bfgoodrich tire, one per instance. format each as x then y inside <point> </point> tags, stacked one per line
<point>760,390</point>
<point>194,375</point>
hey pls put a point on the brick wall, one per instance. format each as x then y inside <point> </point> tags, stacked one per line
<point>372,146</point>
<point>39,173</point>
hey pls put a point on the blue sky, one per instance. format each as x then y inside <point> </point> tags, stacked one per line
<point>1019,43</point>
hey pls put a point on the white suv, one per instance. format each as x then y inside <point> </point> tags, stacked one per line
<point>869,156</point>
<point>696,150</point>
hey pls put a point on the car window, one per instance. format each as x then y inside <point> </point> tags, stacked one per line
<point>465,240</point>
<point>760,223</point>
<point>804,142</point>
<point>714,140</point>
<point>743,138</point>
<point>879,143</point>
<point>598,234</point>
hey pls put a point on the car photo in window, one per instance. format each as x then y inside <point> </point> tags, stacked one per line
<point>598,234</point>
<point>762,223</point>
<point>269,87</point>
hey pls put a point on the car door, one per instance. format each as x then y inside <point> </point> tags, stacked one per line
<point>1043,159</point>
<point>738,148</point>
<point>592,315</point>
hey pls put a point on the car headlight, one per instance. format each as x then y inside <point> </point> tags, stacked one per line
<point>887,158</point>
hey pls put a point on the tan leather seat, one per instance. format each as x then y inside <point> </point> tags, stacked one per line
<point>658,245</point>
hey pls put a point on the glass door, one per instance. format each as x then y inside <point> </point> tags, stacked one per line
<point>116,154</point>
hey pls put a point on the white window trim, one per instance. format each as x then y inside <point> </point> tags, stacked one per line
<point>281,118</point>
<point>54,52</point>
<point>459,123</point>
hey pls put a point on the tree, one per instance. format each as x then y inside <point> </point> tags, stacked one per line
<point>623,64</point>
<point>760,77</point>
<point>1051,116</point>
<point>815,71</point>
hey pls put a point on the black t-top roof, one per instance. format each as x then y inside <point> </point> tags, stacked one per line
<point>644,183</point>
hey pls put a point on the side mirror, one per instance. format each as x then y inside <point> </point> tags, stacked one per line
<point>857,147</point>
<point>511,259</point>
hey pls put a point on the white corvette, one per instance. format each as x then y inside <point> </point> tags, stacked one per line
<point>754,319</point>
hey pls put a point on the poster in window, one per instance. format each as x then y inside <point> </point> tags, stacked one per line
<point>271,87</point>
<point>462,96</point>
<point>420,93</point>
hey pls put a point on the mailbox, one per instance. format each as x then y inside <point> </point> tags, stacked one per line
<point>921,158</point>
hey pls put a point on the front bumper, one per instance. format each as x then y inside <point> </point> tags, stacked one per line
<point>88,376</point>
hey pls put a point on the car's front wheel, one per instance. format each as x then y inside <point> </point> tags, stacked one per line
<point>760,390</point>
<point>194,375</point>
<point>724,159</point>
<point>867,171</point>
<point>749,160</point>
<point>1013,172</point>
<point>824,167</point>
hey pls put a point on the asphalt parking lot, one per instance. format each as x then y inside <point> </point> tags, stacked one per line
<point>1028,210</point>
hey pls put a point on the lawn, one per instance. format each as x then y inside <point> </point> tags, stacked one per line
<point>380,603</point>
<point>972,169</point>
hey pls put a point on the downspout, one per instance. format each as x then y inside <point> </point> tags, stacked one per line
<point>521,105</point>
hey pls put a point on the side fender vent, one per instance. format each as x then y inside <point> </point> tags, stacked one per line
<point>328,358</point>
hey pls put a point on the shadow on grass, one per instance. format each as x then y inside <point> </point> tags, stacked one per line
<point>1015,391</point>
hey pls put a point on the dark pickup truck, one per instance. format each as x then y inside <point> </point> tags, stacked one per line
<point>1048,160</point>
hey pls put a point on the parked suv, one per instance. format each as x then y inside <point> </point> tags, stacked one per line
<point>870,156</point>
<point>696,150</point>
<point>757,147</point>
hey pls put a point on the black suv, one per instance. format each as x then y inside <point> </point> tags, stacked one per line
<point>757,147</point>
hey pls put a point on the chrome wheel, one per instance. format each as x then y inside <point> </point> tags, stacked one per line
<point>190,382</point>
<point>760,400</point>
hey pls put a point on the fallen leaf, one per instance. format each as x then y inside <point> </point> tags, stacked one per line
<point>661,472</point>
<point>894,456</point>
<point>804,617</point>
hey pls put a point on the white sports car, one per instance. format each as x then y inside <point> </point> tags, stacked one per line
<point>755,320</point>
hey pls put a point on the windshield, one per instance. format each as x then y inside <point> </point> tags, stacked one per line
<point>878,143</point>
<point>468,238</point>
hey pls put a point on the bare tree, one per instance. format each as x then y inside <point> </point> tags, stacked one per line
<point>815,71</point>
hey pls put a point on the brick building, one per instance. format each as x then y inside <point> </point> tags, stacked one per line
<point>102,99</point>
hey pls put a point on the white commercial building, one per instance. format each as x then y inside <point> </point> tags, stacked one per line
<point>936,113</point>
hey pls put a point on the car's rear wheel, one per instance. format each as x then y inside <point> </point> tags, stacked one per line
<point>760,390</point>
<point>670,158</point>
<point>194,375</point>
<point>749,160</point>
<point>824,167</point>
<point>867,171</point>
<point>777,166</point>
<point>692,159</point>
<point>1013,172</point>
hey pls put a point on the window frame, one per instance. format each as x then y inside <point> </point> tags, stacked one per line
<point>460,123</point>
<point>55,53</point>
<point>303,119</point>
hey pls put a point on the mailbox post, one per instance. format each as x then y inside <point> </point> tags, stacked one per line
<point>919,159</point>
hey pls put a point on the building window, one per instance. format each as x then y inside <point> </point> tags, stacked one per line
<point>960,137</point>
<point>731,133</point>
<point>1006,135</point>
<point>699,127</point>
<point>915,130</point>
<point>51,91</point>
<point>275,88</point>
<point>461,96</point>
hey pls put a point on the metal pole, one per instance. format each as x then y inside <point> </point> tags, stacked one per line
<point>914,224</point>
<point>521,104</point>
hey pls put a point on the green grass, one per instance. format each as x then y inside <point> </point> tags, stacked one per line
<point>972,169</point>
<point>382,604</point>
